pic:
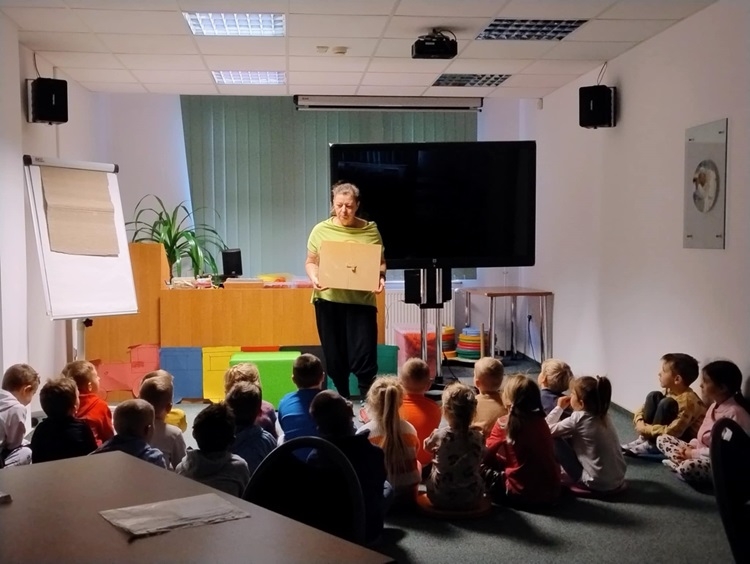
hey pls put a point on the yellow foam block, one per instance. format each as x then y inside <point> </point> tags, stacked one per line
<point>215,364</point>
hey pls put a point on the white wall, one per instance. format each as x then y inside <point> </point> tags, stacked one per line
<point>610,209</point>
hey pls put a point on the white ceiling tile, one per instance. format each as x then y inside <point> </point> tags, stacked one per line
<point>253,89</point>
<point>487,66</point>
<point>324,78</point>
<point>459,91</point>
<point>450,8</point>
<point>165,76</point>
<point>562,67</point>
<point>177,88</point>
<point>329,63</point>
<point>619,30</point>
<point>149,44</point>
<point>413,27</point>
<point>505,92</point>
<point>366,90</point>
<point>32,3</point>
<point>648,9</point>
<point>399,79</point>
<point>352,7</point>
<point>124,4</point>
<point>539,80</point>
<point>555,9</point>
<point>306,46</point>
<point>395,48</point>
<point>162,62</point>
<point>335,26</point>
<point>118,87</point>
<point>496,49</point>
<point>259,46</point>
<point>587,50</point>
<point>386,64</point>
<point>51,41</point>
<point>82,60</point>
<point>46,19</point>
<point>246,63</point>
<point>323,90</point>
<point>126,21</point>
<point>100,75</point>
<point>252,6</point>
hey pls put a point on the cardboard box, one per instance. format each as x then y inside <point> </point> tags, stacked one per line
<point>350,266</point>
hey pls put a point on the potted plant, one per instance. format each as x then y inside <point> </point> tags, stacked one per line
<point>178,233</point>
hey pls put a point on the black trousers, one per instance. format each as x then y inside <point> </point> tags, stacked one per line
<point>659,409</point>
<point>349,336</point>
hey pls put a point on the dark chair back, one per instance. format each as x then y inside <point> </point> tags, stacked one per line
<point>326,496</point>
<point>730,466</point>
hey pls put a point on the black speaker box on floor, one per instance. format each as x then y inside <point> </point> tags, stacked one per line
<point>597,106</point>
<point>231,260</point>
<point>47,100</point>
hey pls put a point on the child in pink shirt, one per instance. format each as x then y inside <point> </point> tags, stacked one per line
<point>721,382</point>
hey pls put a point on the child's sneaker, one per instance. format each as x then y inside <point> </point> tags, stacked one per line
<point>632,444</point>
<point>642,449</point>
<point>670,464</point>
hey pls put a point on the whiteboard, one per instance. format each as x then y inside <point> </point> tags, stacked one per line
<point>80,286</point>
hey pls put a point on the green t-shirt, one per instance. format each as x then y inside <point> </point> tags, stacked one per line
<point>328,231</point>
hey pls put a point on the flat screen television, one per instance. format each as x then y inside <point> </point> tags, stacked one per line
<point>446,205</point>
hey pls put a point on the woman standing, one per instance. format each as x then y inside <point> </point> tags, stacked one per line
<point>346,319</point>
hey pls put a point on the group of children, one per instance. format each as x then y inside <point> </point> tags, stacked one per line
<point>515,440</point>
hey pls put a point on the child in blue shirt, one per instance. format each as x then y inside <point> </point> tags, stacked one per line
<point>134,425</point>
<point>294,408</point>
<point>251,441</point>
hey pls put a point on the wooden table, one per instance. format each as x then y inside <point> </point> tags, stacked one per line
<point>54,517</point>
<point>513,292</point>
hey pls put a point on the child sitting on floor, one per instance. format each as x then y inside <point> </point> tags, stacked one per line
<point>134,423</point>
<point>60,435</point>
<point>519,464</point>
<point>488,379</point>
<point>175,416</point>
<point>333,416</point>
<point>554,380</point>
<point>251,441</point>
<point>419,410</point>
<point>678,413</point>
<point>592,460</point>
<point>294,408</point>
<point>167,438</point>
<point>92,409</point>
<point>248,372</point>
<point>212,464</point>
<point>396,437</point>
<point>455,482</point>
<point>19,385</point>
<point>721,383</point>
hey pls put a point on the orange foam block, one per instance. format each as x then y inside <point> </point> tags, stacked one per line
<point>114,376</point>
<point>143,359</point>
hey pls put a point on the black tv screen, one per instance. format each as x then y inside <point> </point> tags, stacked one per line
<point>446,205</point>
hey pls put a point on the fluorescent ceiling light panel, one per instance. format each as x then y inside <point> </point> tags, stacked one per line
<point>231,24</point>
<point>529,30</point>
<point>471,79</point>
<point>249,77</point>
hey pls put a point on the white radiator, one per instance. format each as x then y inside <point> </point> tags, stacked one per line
<point>399,313</point>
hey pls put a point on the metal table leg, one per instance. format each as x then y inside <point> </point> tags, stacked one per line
<point>492,328</point>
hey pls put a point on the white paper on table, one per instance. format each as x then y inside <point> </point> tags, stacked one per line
<point>164,516</point>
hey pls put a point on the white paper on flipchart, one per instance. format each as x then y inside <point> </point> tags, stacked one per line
<point>164,516</point>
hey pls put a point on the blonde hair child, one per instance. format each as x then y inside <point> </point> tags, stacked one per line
<point>396,437</point>
<point>554,380</point>
<point>488,379</point>
<point>592,459</point>
<point>455,482</point>
<point>248,372</point>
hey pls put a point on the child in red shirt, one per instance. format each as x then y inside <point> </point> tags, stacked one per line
<point>92,409</point>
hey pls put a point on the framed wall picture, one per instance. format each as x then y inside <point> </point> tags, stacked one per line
<point>705,186</point>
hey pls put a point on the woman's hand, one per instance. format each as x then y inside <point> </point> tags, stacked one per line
<point>381,286</point>
<point>316,284</point>
<point>563,402</point>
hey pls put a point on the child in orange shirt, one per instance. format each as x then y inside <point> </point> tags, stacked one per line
<point>423,413</point>
<point>488,378</point>
<point>92,409</point>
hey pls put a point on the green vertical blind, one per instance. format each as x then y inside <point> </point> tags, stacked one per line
<point>259,169</point>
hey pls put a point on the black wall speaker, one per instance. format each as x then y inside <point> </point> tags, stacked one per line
<point>597,106</point>
<point>231,260</point>
<point>47,100</point>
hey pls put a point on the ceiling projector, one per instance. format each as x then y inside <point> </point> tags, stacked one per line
<point>436,45</point>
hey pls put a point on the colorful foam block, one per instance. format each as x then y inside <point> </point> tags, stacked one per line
<point>215,364</point>
<point>186,365</point>
<point>275,371</point>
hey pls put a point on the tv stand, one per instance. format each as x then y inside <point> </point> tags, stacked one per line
<point>429,288</point>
